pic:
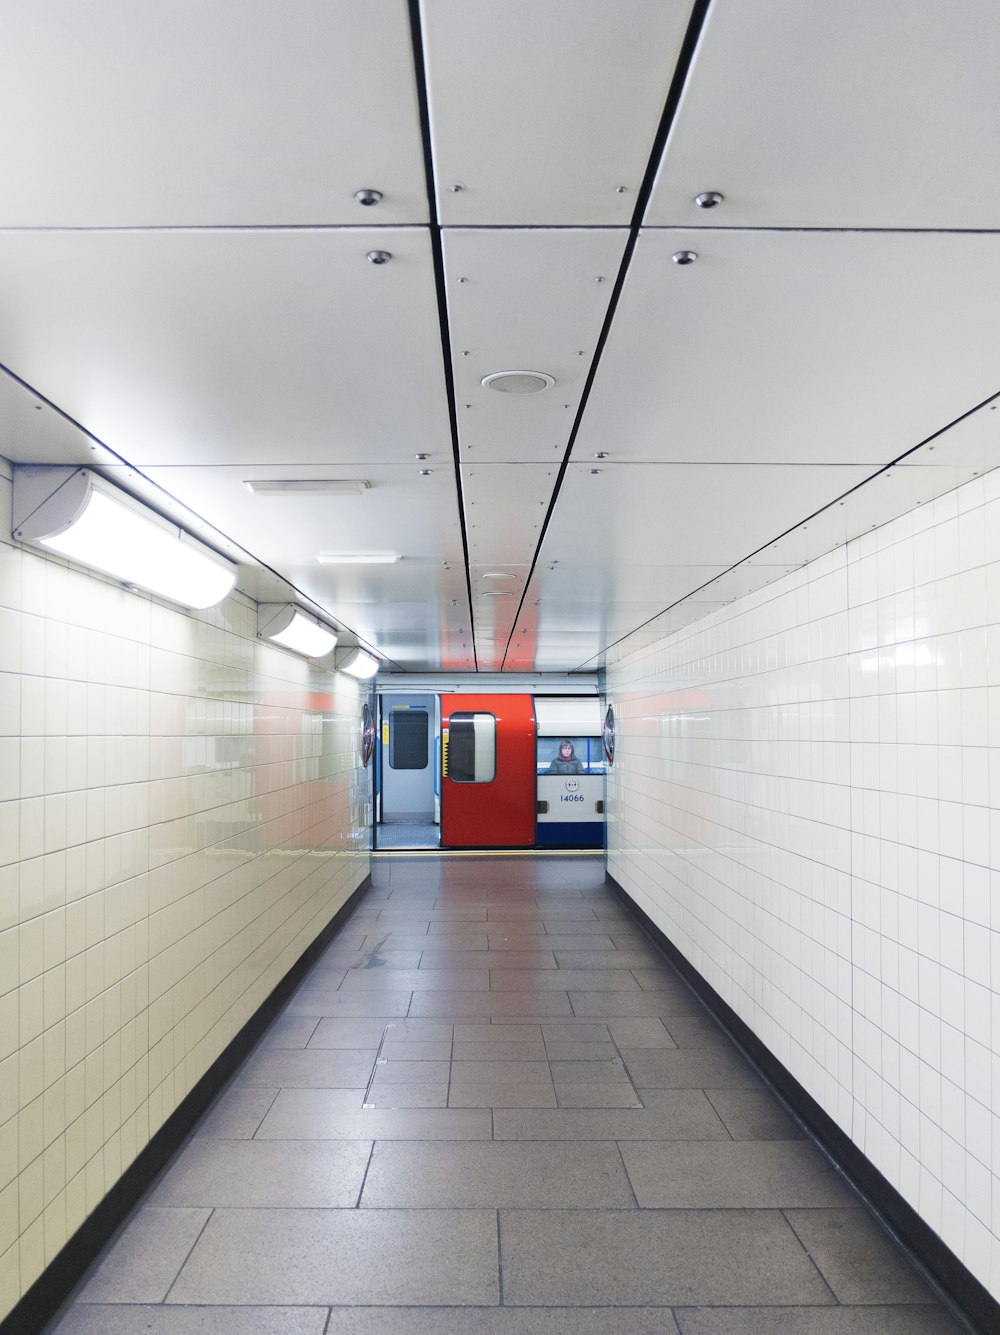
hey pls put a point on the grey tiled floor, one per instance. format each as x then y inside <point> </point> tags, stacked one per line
<point>493,1109</point>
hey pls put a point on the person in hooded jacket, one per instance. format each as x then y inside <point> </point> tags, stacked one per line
<point>566,761</point>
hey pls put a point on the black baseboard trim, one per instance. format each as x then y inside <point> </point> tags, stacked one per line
<point>967,1299</point>
<point>52,1288</point>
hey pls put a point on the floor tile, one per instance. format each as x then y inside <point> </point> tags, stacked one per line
<point>312,1068</point>
<point>265,1173</point>
<point>404,1072</point>
<point>477,1005</point>
<point>570,941</point>
<point>569,1050</point>
<point>289,1031</point>
<point>599,959</point>
<point>356,1034</point>
<point>409,1050</point>
<point>818,1321</point>
<point>648,1032</point>
<point>529,958</point>
<point>144,1260</point>
<point>308,1114</point>
<point>409,1084</point>
<point>488,1174</point>
<point>351,1005</point>
<point>856,1258</point>
<point>145,1320</point>
<point>533,980</point>
<point>685,1115</point>
<point>236,1115</point>
<point>583,1084</point>
<point>523,1050</point>
<point>473,940</point>
<point>689,1068</point>
<point>414,1094</point>
<point>511,1032</point>
<point>767,1174</point>
<point>627,1005</point>
<point>657,978</point>
<point>378,960</point>
<point>754,1114</point>
<point>579,1031</point>
<point>442,1257</point>
<point>436,980</point>
<point>654,1256</point>
<point>575,925</point>
<point>498,1084</point>
<point>501,1321</point>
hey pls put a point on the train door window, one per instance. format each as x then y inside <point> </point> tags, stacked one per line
<point>472,748</point>
<point>408,739</point>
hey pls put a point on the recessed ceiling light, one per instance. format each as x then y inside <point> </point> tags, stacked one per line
<point>358,558</point>
<point>497,574</point>
<point>311,486</point>
<point>518,382</point>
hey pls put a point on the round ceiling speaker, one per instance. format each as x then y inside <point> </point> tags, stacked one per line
<point>518,382</point>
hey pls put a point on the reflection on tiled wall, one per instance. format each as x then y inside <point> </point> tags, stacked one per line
<point>806,800</point>
<point>181,812</point>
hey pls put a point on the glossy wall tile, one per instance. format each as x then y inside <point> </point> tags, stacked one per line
<point>806,800</point>
<point>182,810</point>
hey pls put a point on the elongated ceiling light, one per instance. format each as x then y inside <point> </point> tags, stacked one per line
<point>361,665</point>
<point>357,558</point>
<point>289,626</point>
<point>81,516</point>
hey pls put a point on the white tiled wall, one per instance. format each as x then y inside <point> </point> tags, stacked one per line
<point>806,800</point>
<point>181,811</point>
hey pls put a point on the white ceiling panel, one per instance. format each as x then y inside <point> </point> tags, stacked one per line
<point>234,113</point>
<point>248,346</point>
<point>651,514</point>
<point>566,585</point>
<point>804,113</point>
<point>546,113</point>
<point>505,505</point>
<point>525,300</point>
<point>795,347</point>
<point>32,431</point>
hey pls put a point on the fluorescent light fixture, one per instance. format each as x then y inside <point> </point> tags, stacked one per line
<point>357,558</point>
<point>294,629</point>
<point>361,665</point>
<point>81,516</point>
<point>306,486</point>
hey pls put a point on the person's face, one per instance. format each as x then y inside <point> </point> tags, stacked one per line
<point>565,751</point>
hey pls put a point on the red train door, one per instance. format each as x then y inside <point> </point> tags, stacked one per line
<point>487,771</point>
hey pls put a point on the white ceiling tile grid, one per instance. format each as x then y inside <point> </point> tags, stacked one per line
<point>187,287</point>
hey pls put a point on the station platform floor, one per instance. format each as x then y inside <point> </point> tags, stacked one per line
<point>493,1108</point>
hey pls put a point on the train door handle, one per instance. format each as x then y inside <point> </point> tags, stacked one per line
<point>599,807</point>
<point>541,808</point>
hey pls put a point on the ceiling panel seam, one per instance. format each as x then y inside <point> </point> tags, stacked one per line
<point>684,60</point>
<point>437,253</point>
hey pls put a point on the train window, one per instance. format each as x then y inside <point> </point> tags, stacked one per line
<point>472,748</point>
<point>569,755</point>
<point>408,739</point>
